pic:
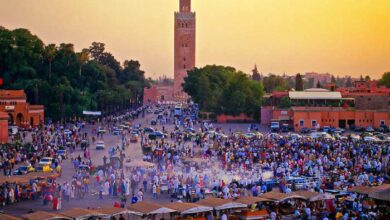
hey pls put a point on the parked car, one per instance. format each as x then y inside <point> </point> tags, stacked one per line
<point>46,161</point>
<point>370,129</point>
<point>43,168</point>
<point>153,122</point>
<point>275,126</point>
<point>100,145</point>
<point>23,170</point>
<point>134,138</point>
<point>62,153</point>
<point>305,130</point>
<point>148,130</point>
<point>156,135</point>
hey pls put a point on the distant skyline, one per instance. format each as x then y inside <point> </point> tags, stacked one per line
<point>345,37</point>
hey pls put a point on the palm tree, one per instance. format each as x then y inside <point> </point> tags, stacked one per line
<point>82,58</point>
<point>49,54</point>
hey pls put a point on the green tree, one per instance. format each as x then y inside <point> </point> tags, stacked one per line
<point>224,90</point>
<point>298,82</point>
<point>348,82</point>
<point>49,54</point>
<point>333,80</point>
<point>82,59</point>
<point>385,80</point>
<point>284,102</point>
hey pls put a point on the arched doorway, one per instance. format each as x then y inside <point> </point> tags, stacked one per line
<point>19,119</point>
<point>10,119</point>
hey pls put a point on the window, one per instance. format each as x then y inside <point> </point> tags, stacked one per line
<point>382,122</point>
<point>186,25</point>
<point>182,25</point>
<point>301,122</point>
<point>184,59</point>
<point>184,66</point>
<point>313,123</point>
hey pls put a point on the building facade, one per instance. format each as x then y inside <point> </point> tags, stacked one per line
<point>3,128</point>
<point>314,108</point>
<point>20,113</point>
<point>184,45</point>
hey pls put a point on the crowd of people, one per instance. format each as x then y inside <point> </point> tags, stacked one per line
<point>196,160</point>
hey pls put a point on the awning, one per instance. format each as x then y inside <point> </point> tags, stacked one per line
<point>315,196</point>
<point>81,213</point>
<point>279,197</point>
<point>381,192</point>
<point>188,208</point>
<point>252,200</point>
<point>40,215</point>
<point>111,211</point>
<point>220,204</point>
<point>14,179</point>
<point>8,217</point>
<point>147,208</point>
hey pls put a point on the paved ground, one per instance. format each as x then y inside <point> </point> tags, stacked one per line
<point>134,152</point>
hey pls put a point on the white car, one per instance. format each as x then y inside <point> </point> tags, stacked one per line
<point>371,139</point>
<point>100,145</point>
<point>46,161</point>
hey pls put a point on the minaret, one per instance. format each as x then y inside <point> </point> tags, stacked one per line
<point>184,52</point>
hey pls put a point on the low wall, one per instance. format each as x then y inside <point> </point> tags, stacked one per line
<point>229,118</point>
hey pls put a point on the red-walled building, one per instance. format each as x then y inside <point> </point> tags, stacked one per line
<point>3,128</point>
<point>363,106</point>
<point>20,113</point>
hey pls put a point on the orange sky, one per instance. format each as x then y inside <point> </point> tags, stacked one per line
<point>337,36</point>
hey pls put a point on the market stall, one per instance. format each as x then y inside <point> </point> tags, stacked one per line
<point>8,217</point>
<point>142,209</point>
<point>188,208</point>
<point>109,212</point>
<point>280,197</point>
<point>221,204</point>
<point>41,215</point>
<point>81,214</point>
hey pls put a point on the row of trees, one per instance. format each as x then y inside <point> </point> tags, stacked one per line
<point>224,90</point>
<point>65,81</point>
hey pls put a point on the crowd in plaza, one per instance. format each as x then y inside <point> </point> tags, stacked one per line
<point>193,161</point>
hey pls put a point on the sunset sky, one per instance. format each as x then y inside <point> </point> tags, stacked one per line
<point>343,37</point>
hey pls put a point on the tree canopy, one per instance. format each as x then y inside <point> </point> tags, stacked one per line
<point>65,81</point>
<point>385,79</point>
<point>224,90</point>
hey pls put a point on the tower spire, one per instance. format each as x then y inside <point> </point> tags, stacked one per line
<point>185,5</point>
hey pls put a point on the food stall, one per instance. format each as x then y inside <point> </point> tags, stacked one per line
<point>82,214</point>
<point>252,212</point>
<point>189,210</point>
<point>143,209</point>
<point>8,217</point>
<point>41,215</point>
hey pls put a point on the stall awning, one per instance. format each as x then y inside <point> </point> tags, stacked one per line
<point>252,200</point>
<point>8,217</point>
<point>381,192</point>
<point>188,208</point>
<point>81,213</point>
<point>146,208</point>
<point>279,197</point>
<point>220,204</point>
<point>112,211</point>
<point>40,215</point>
